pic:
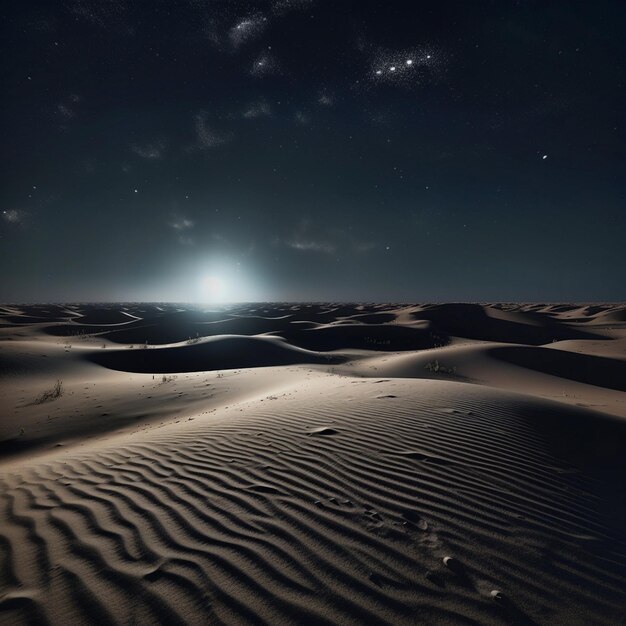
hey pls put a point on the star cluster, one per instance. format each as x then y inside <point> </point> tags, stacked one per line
<point>409,68</point>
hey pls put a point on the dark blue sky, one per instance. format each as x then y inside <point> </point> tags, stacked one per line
<point>313,150</point>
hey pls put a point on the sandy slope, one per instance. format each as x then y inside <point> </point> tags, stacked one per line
<point>332,480</point>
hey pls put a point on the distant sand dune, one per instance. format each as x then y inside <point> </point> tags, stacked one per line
<point>223,352</point>
<point>244,479</point>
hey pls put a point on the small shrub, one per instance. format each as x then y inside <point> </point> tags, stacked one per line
<point>51,394</point>
<point>434,366</point>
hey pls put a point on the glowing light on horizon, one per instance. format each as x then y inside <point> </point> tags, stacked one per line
<point>218,281</point>
<point>213,289</point>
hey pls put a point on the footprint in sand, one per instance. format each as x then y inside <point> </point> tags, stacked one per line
<point>421,456</point>
<point>324,431</point>
<point>414,519</point>
<point>454,565</point>
<point>497,595</point>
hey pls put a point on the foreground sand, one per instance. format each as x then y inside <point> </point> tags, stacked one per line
<point>313,464</point>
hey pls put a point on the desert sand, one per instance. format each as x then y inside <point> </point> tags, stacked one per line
<point>313,464</point>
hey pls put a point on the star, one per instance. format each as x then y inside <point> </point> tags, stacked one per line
<point>12,216</point>
<point>544,157</point>
<point>265,65</point>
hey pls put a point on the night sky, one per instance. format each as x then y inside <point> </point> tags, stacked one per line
<point>307,150</point>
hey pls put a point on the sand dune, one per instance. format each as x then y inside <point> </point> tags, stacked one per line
<point>216,353</point>
<point>305,471</point>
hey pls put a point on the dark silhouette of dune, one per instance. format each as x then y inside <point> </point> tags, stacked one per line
<point>223,352</point>
<point>363,336</point>
<point>584,368</point>
<point>472,321</point>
